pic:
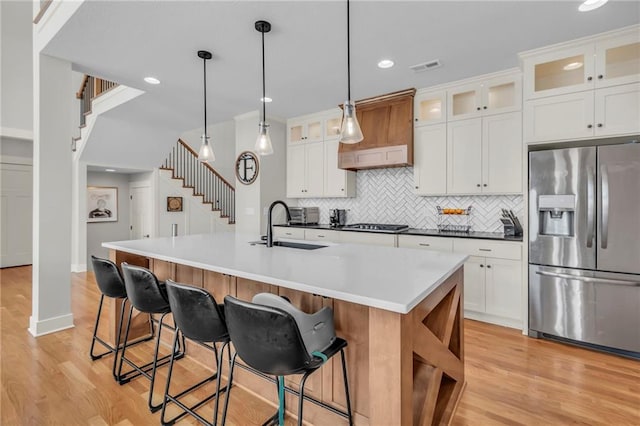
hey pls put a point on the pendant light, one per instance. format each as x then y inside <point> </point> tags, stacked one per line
<point>206,150</point>
<point>350,129</point>
<point>263,143</point>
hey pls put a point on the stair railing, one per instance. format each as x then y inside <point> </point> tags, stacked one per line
<point>202,178</point>
<point>90,88</point>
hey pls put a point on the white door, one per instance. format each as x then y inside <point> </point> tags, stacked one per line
<point>618,110</point>
<point>430,159</point>
<point>503,288</point>
<point>502,154</point>
<point>16,214</point>
<point>335,179</point>
<point>140,212</point>
<point>464,156</point>
<point>474,284</point>
<point>559,117</point>
<point>295,171</point>
<point>315,169</point>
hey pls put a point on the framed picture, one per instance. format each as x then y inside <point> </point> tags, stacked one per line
<point>102,204</point>
<point>174,204</point>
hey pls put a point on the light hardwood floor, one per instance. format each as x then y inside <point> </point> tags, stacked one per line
<point>511,379</point>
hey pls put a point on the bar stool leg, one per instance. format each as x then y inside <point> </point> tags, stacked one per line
<point>218,381</point>
<point>346,386</point>
<point>152,407</point>
<point>229,386</point>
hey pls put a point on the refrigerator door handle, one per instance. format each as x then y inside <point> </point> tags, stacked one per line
<point>604,225</point>
<point>589,279</point>
<point>590,206</point>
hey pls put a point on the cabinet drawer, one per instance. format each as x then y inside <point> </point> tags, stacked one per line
<point>321,235</point>
<point>387,240</point>
<point>285,232</point>
<point>494,249</point>
<point>426,243</point>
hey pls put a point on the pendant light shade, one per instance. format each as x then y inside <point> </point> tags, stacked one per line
<point>206,150</point>
<point>263,143</point>
<point>350,131</point>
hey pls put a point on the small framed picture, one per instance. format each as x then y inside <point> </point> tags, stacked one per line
<point>102,204</point>
<point>174,204</point>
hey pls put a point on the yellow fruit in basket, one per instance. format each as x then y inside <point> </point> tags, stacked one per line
<point>460,211</point>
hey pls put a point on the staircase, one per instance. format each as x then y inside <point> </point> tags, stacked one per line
<point>203,179</point>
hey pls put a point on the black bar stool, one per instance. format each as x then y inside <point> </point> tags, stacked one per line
<point>111,285</point>
<point>199,318</point>
<point>269,340</point>
<point>147,295</point>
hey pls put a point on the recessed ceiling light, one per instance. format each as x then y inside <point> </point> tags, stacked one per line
<point>152,80</point>
<point>109,170</point>
<point>385,63</point>
<point>591,5</point>
<point>266,99</point>
<point>572,66</point>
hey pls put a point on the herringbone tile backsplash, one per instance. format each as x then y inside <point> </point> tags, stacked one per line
<point>386,196</point>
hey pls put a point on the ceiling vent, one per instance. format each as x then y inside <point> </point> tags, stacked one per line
<point>430,65</point>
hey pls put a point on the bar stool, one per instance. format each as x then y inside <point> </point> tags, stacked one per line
<point>200,319</point>
<point>149,296</point>
<point>111,285</point>
<point>269,339</point>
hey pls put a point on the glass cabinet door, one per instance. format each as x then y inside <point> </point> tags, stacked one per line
<point>429,108</point>
<point>464,102</point>
<point>618,61</point>
<point>332,127</point>
<point>296,132</point>
<point>314,131</point>
<point>501,95</point>
<point>557,73</point>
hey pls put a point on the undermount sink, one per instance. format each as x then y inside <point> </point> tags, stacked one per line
<point>290,244</point>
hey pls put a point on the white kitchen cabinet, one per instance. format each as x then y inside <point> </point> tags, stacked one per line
<point>430,159</point>
<point>288,232</point>
<point>322,235</point>
<point>503,288</point>
<point>484,155</point>
<point>603,112</point>
<point>356,237</point>
<point>305,130</point>
<point>474,284</point>
<point>337,182</point>
<point>305,170</point>
<point>332,124</point>
<point>494,96</point>
<point>425,242</point>
<point>595,62</point>
<point>429,108</point>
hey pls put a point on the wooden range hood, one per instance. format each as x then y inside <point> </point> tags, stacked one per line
<point>387,125</point>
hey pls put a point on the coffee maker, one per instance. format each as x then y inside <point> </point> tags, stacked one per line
<point>337,217</point>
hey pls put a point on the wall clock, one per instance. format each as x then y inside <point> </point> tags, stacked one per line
<point>174,204</point>
<point>247,167</point>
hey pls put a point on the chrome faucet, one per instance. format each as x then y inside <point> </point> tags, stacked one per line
<point>269,220</point>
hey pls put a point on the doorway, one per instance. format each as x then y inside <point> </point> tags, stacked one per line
<point>140,204</point>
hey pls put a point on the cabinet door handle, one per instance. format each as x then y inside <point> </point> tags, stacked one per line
<point>485,107</point>
<point>489,266</point>
<point>342,189</point>
<point>484,185</point>
<point>600,77</point>
<point>287,233</point>
<point>424,244</point>
<point>478,185</point>
<point>320,236</point>
<point>599,124</point>
<point>416,187</point>
<point>589,126</point>
<point>483,249</point>
<point>589,78</point>
<point>478,108</point>
<point>481,265</point>
<point>416,119</point>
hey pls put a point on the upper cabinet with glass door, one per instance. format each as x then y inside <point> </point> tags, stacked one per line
<point>305,130</point>
<point>486,97</point>
<point>585,64</point>
<point>332,124</point>
<point>429,108</point>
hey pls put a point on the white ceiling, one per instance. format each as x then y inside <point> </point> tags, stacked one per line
<point>306,54</point>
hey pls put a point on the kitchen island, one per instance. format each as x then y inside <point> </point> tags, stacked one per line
<point>399,309</point>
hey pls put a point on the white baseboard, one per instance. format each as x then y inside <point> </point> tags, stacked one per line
<point>50,325</point>
<point>78,267</point>
<point>493,319</point>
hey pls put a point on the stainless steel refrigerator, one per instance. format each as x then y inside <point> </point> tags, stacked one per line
<point>584,245</point>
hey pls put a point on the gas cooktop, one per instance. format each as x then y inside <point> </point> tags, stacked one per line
<point>378,227</point>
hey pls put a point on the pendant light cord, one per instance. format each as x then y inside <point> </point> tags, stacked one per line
<point>348,56</point>
<point>205,98</point>
<point>264,93</point>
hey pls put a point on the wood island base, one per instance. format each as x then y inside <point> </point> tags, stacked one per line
<point>404,369</point>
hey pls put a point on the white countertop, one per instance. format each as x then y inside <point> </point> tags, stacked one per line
<point>394,279</point>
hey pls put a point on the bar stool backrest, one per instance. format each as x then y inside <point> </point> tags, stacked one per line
<point>267,338</point>
<point>143,289</point>
<point>108,278</point>
<point>196,313</point>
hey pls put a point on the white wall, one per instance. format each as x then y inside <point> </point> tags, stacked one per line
<point>11,147</point>
<point>223,140</point>
<point>16,64</point>
<point>253,200</point>
<point>99,232</point>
